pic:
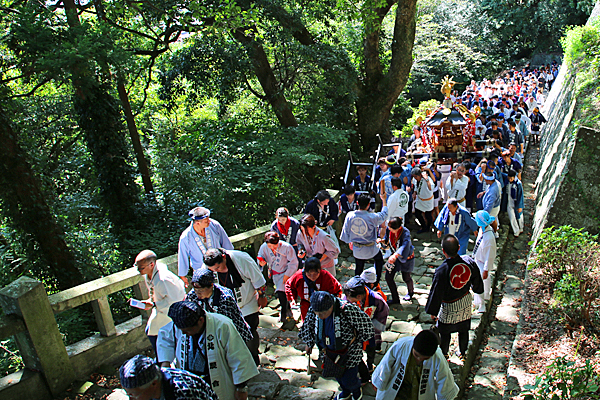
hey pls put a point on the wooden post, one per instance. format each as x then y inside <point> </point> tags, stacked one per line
<point>104,318</point>
<point>41,346</point>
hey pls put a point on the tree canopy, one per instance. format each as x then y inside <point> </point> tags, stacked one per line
<point>120,116</point>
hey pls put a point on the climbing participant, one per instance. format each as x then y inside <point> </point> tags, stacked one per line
<point>207,345</point>
<point>238,272</point>
<point>491,197</point>
<point>283,263</point>
<point>414,368</point>
<point>203,233</point>
<point>376,308</point>
<point>315,242</point>
<point>369,275</point>
<point>323,208</point>
<point>286,227</point>
<point>338,328</point>
<point>516,201</point>
<point>457,184</point>
<point>348,200</point>
<point>398,202</point>
<point>423,196</point>
<point>484,254</point>
<point>217,299</point>
<point>537,119</point>
<point>143,379</point>
<point>402,259</point>
<point>456,220</point>
<point>450,299</point>
<point>164,287</point>
<point>360,232</point>
<point>309,280</point>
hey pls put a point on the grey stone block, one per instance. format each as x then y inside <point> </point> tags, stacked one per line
<point>295,393</point>
<point>266,390</point>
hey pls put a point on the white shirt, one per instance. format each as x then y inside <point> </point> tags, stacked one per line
<point>424,200</point>
<point>486,251</point>
<point>398,204</point>
<point>165,289</point>
<point>459,189</point>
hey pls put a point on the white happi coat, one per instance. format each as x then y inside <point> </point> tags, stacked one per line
<point>437,381</point>
<point>229,360</point>
<point>283,263</point>
<point>485,249</point>
<point>321,243</point>
<point>250,272</point>
<point>458,190</point>
<point>424,200</point>
<point>398,204</point>
<point>165,289</point>
<point>192,246</point>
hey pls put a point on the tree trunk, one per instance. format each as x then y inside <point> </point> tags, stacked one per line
<point>135,138</point>
<point>380,91</point>
<point>100,120</point>
<point>25,203</point>
<point>263,71</point>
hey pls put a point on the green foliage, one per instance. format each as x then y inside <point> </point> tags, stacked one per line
<point>419,112</point>
<point>448,42</point>
<point>243,172</point>
<point>522,27</point>
<point>569,260</point>
<point>581,45</point>
<point>565,380</point>
<point>10,359</point>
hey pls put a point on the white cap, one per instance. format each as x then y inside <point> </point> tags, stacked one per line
<point>369,275</point>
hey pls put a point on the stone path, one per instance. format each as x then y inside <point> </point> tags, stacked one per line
<point>489,378</point>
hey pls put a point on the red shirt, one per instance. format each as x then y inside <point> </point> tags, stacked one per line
<point>296,287</point>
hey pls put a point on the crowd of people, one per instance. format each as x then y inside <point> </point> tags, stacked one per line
<point>204,320</point>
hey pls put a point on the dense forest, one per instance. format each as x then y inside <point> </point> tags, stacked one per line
<point>117,117</point>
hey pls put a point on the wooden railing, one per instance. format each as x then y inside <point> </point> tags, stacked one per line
<point>50,366</point>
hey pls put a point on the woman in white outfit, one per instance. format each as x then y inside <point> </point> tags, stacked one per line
<point>484,254</point>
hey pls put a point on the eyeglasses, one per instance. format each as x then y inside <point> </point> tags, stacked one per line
<point>141,264</point>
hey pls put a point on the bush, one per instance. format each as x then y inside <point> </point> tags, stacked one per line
<point>563,379</point>
<point>569,260</point>
<point>420,111</point>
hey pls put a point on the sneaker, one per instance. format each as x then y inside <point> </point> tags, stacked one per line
<point>357,397</point>
<point>408,297</point>
<point>339,396</point>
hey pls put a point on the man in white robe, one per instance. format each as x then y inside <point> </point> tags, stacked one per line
<point>457,184</point>
<point>203,233</point>
<point>414,368</point>
<point>164,287</point>
<point>238,272</point>
<point>423,196</point>
<point>208,345</point>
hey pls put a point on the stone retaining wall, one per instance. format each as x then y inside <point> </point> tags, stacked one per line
<point>567,191</point>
